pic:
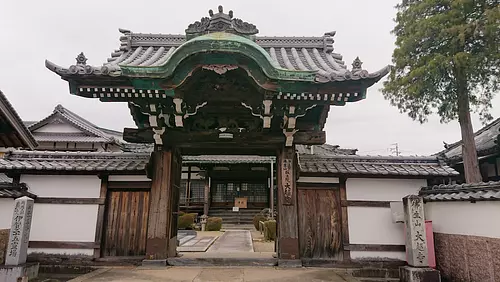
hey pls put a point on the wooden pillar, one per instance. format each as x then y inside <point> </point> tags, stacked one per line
<point>100,216</point>
<point>344,220</point>
<point>288,237</point>
<point>164,204</point>
<point>206,194</point>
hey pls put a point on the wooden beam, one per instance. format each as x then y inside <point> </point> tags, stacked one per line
<point>70,201</point>
<point>375,204</point>
<point>189,139</point>
<point>100,216</point>
<point>288,233</point>
<point>375,248</point>
<point>63,245</point>
<point>344,219</point>
<point>130,185</point>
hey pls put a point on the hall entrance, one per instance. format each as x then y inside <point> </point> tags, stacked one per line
<point>225,192</point>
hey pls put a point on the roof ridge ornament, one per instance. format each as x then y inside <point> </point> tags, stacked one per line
<point>81,66</point>
<point>220,22</point>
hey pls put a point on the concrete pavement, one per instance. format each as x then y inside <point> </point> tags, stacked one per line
<point>192,274</point>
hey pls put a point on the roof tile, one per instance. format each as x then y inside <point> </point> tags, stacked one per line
<point>462,192</point>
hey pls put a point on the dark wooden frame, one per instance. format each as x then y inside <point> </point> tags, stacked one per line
<point>375,247</point>
<point>373,204</point>
<point>64,245</point>
<point>70,201</point>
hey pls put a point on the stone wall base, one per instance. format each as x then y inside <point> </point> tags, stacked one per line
<point>467,258</point>
<point>418,274</point>
<point>25,271</point>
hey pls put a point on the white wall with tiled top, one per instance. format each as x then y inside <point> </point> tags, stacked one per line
<point>373,225</point>
<point>465,218</point>
<point>63,222</point>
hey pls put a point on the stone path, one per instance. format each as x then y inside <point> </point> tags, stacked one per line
<point>192,243</point>
<point>193,274</point>
<point>233,241</point>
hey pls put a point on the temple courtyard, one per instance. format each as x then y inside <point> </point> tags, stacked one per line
<point>215,274</point>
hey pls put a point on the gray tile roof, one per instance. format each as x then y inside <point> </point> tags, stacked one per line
<point>486,143</point>
<point>371,166</point>
<point>16,133</point>
<point>325,150</point>
<point>74,161</point>
<point>9,190</point>
<point>462,192</point>
<point>61,114</point>
<point>292,53</point>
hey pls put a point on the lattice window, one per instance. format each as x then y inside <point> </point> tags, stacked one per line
<point>197,190</point>
<point>182,192</point>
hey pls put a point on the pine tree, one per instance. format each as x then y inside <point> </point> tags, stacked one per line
<point>447,61</point>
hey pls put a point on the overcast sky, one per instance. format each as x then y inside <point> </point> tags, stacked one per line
<point>32,31</point>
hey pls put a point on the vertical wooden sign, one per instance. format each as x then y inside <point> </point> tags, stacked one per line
<point>287,178</point>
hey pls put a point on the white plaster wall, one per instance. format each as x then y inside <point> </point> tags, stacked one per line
<point>62,222</point>
<point>58,128</point>
<point>6,210</point>
<point>128,178</point>
<point>373,225</point>
<point>379,189</point>
<point>63,186</point>
<point>465,218</point>
<point>369,225</point>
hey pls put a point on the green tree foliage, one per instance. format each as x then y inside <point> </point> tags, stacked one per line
<point>447,61</point>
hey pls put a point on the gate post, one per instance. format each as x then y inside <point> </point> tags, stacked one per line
<point>288,239</point>
<point>162,219</point>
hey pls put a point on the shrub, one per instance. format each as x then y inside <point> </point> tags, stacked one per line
<point>270,230</point>
<point>214,224</point>
<point>185,221</point>
<point>258,217</point>
<point>181,213</point>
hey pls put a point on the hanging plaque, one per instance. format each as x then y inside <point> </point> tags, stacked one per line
<point>286,179</point>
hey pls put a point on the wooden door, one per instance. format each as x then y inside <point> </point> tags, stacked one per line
<point>126,223</point>
<point>319,223</point>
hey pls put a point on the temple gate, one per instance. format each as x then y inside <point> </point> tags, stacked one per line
<point>220,89</point>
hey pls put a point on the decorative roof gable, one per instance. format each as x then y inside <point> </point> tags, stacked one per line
<point>88,131</point>
<point>220,22</point>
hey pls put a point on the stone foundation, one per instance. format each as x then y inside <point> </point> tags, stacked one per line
<point>418,274</point>
<point>23,272</point>
<point>4,240</point>
<point>467,258</point>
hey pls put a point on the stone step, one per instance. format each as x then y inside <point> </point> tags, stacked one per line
<point>372,272</point>
<point>204,262</point>
<point>249,227</point>
<point>362,279</point>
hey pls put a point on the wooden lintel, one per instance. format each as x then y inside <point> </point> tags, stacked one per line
<point>375,204</point>
<point>63,245</point>
<point>374,248</point>
<point>130,185</point>
<point>186,139</point>
<point>70,201</point>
